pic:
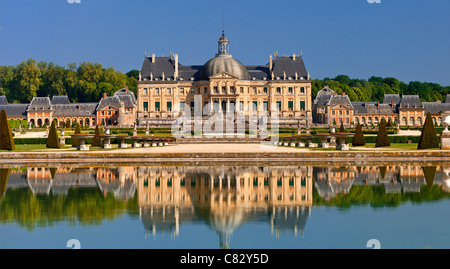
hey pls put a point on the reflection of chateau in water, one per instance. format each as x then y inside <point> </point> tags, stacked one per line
<point>329,181</point>
<point>57,181</point>
<point>224,198</point>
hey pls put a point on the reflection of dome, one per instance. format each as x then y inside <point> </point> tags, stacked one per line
<point>225,223</point>
<point>223,62</point>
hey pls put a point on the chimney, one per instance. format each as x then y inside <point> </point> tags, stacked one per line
<point>126,88</point>
<point>378,104</point>
<point>176,66</point>
<point>270,63</point>
<point>335,94</point>
<point>153,58</point>
<point>79,106</point>
<point>343,93</point>
<point>104,95</point>
<point>293,57</point>
<point>365,104</point>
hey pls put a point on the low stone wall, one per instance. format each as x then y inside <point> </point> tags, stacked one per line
<point>319,156</point>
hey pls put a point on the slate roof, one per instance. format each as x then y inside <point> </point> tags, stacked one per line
<point>410,101</point>
<point>341,100</point>
<point>3,100</point>
<point>15,110</point>
<point>394,98</point>
<point>75,110</point>
<point>40,103</point>
<point>435,108</point>
<point>280,66</point>
<point>290,66</point>
<point>373,108</point>
<point>324,99</point>
<point>324,91</point>
<point>60,99</point>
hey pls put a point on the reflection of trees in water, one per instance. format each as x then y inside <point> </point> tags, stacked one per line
<point>39,201</point>
<point>379,186</point>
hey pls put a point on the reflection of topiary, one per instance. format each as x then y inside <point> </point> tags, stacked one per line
<point>52,139</point>
<point>358,138</point>
<point>6,138</point>
<point>96,141</point>
<point>76,141</point>
<point>428,138</point>
<point>382,137</point>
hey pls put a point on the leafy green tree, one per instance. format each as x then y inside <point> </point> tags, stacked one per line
<point>26,82</point>
<point>382,136</point>
<point>6,138</point>
<point>428,137</point>
<point>52,139</point>
<point>358,138</point>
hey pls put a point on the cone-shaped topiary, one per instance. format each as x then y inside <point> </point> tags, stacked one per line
<point>341,139</point>
<point>358,138</point>
<point>428,138</point>
<point>52,139</point>
<point>382,137</point>
<point>96,141</point>
<point>76,141</point>
<point>6,138</point>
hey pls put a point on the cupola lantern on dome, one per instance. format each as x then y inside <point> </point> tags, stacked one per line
<point>224,46</point>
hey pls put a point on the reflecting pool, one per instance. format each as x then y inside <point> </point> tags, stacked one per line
<point>226,205</point>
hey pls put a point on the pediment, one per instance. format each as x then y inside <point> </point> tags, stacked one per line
<point>223,75</point>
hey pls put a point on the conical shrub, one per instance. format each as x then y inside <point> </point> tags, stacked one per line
<point>6,138</point>
<point>382,137</point>
<point>358,138</point>
<point>428,138</point>
<point>76,141</point>
<point>96,141</point>
<point>52,139</point>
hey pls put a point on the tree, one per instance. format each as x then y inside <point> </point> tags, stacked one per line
<point>382,137</point>
<point>76,141</point>
<point>6,138</point>
<point>52,139</point>
<point>96,141</point>
<point>428,138</point>
<point>358,138</point>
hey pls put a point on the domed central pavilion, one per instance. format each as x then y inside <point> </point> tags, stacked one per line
<point>168,89</point>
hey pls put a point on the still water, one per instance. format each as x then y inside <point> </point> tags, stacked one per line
<point>225,205</point>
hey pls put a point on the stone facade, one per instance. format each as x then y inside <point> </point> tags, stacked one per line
<point>167,89</point>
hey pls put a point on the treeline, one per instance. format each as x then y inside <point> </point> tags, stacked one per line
<point>85,82</point>
<point>374,88</point>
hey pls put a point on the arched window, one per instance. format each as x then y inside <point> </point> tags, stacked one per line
<point>411,121</point>
<point>419,121</point>
<point>404,122</point>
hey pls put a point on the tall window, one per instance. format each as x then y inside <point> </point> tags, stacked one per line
<point>265,89</point>
<point>169,106</point>
<point>290,90</point>
<point>290,105</point>
<point>181,90</point>
<point>278,90</point>
<point>302,89</point>
<point>255,105</point>
<point>156,106</point>
<point>157,91</point>
<point>265,105</point>
<point>145,91</point>
<point>145,106</point>
<point>278,105</point>
<point>181,106</point>
<point>302,105</point>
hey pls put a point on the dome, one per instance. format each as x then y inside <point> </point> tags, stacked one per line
<point>223,62</point>
<point>220,64</point>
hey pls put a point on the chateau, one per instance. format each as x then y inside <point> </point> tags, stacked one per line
<point>167,89</point>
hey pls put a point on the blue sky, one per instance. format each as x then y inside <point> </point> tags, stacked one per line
<point>406,39</point>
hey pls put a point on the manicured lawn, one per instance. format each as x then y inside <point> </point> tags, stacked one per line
<point>404,146</point>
